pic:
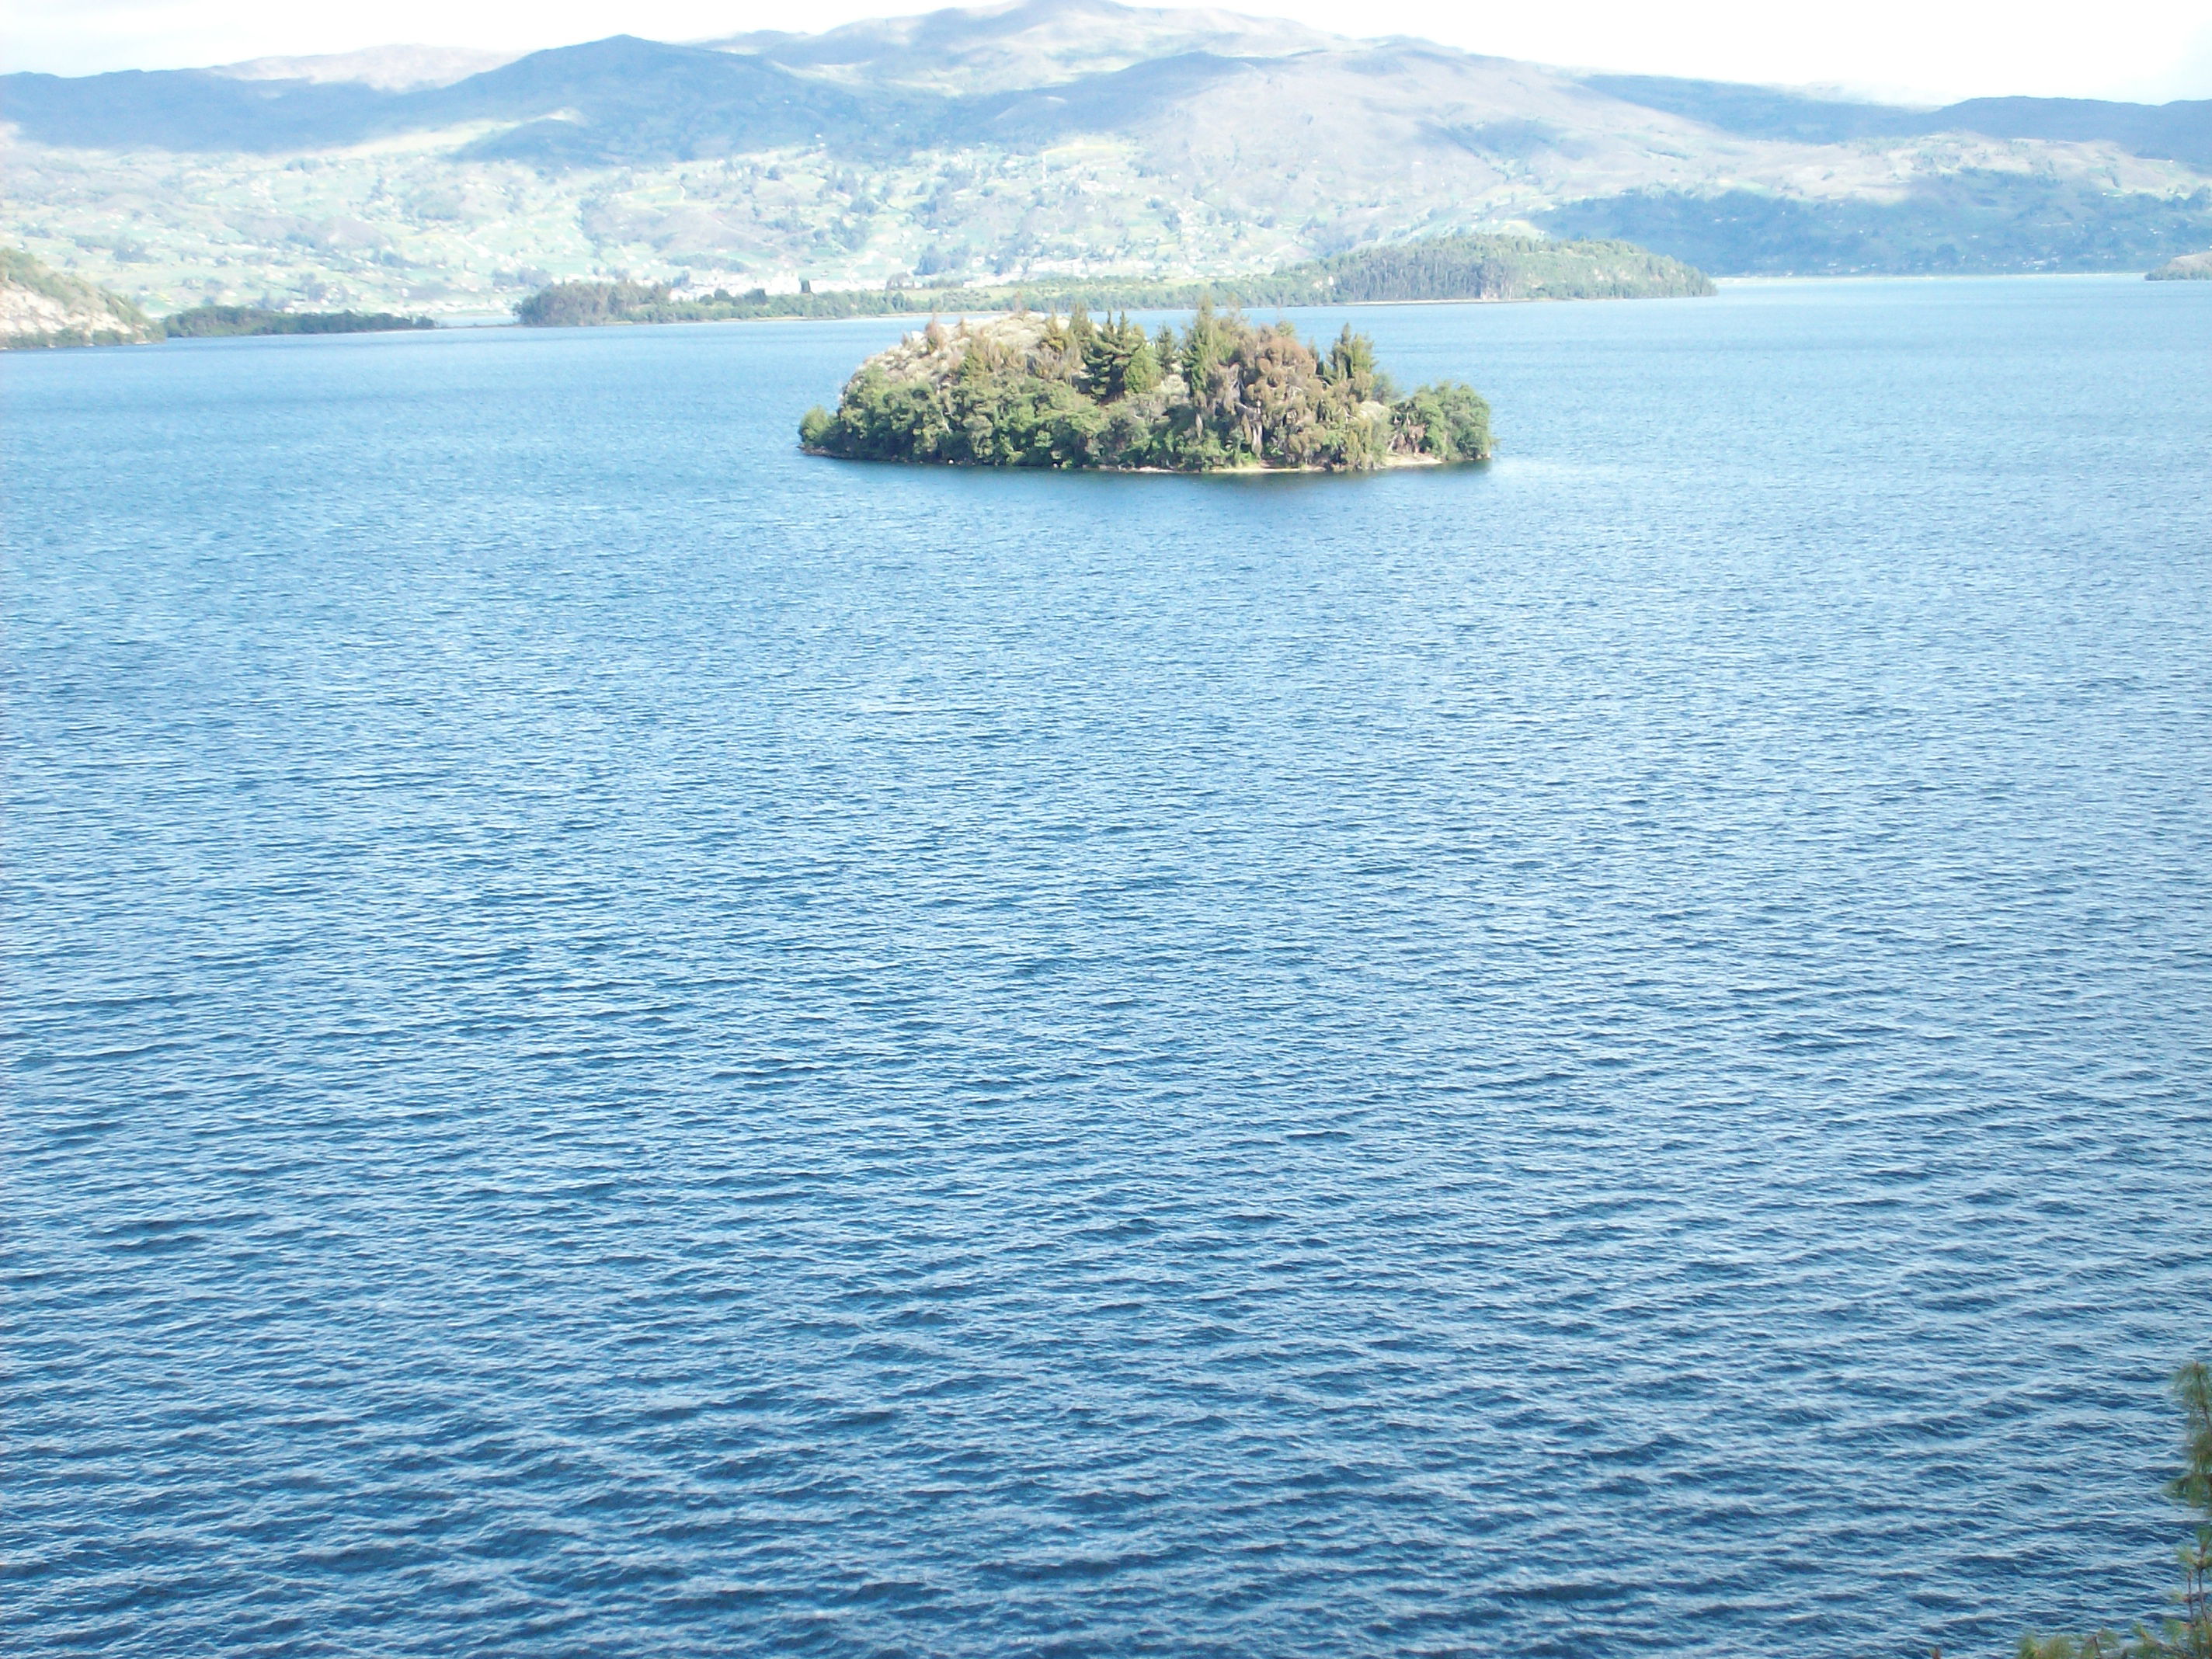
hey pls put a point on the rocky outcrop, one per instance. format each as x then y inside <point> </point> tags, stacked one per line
<point>2189,268</point>
<point>40,306</point>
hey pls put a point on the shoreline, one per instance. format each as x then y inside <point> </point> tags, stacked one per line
<point>1390,463</point>
<point>1525,300</point>
<point>477,322</point>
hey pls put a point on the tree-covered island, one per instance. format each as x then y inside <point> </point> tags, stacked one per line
<point>1065,392</point>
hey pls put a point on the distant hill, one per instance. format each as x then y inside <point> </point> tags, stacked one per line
<point>1966,223</point>
<point>2178,131</point>
<point>1074,140</point>
<point>1014,48</point>
<point>388,69</point>
<point>618,100</point>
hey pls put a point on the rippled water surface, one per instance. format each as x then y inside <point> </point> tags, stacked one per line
<point>623,1042</point>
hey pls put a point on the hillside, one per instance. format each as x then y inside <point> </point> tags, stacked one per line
<point>2178,131</point>
<point>44,307</point>
<point>1062,139</point>
<point>2189,268</point>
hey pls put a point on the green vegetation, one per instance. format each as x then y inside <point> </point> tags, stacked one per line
<point>1436,268</point>
<point>216,322</point>
<point>1970,220</point>
<point>585,305</point>
<point>1023,390</point>
<point>589,305</point>
<point>1489,268</point>
<point>40,306</point>
<point>2189,1636</point>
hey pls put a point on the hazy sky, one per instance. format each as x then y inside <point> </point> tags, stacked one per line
<point>2151,50</point>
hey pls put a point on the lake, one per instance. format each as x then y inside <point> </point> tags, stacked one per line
<point>626,1042</point>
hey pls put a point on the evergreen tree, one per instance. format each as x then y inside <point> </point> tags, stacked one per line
<point>1201,344</point>
<point>1141,374</point>
<point>2189,1636</point>
<point>1351,363</point>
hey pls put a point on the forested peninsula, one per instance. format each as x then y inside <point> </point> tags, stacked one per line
<point>1222,395</point>
<point>1434,268</point>
<point>225,322</point>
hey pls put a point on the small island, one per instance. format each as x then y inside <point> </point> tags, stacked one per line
<point>212,322</point>
<point>1224,395</point>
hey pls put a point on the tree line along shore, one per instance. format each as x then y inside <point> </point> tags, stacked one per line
<point>1441,268</point>
<point>40,306</point>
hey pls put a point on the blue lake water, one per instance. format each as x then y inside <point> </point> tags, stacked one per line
<point>623,1042</point>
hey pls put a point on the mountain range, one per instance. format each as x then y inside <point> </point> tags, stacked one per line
<point>1047,136</point>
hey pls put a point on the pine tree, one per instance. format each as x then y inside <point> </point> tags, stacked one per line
<point>2189,1636</point>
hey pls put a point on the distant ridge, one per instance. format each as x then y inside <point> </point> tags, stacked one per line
<point>1064,140</point>
<point>650,99</point>
<point>620,99</point>
<point>386,69</point>
<point>2178,131</point>
<point>1021,46</point>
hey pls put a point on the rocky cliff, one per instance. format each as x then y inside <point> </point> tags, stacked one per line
<point>2189,268</point>
<point>43,307</point>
